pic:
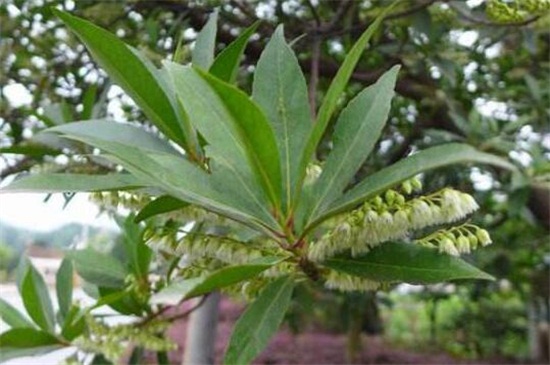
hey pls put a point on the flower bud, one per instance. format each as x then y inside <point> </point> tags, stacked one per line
<point>447,246</point>
<point>483,237</point>
<point>463,244</point>
<point>416,183</point>
<point>390,196</point>
<point>407,187</point>
<point>378,202</point>
<point>399,199</point>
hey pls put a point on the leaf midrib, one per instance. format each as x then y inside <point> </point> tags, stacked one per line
<point>284,120</point>
<point>393,266</point>
<point>253,335</point>
<point>240,147</point>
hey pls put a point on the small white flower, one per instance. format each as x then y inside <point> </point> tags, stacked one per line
<point>447,246</point>
<point>463,245</point>
<point>401,220</point>
<point>473,241</point>
<point>421,214</point>
<point>345,282</point>
<point>370,217</point>
<point>483,237</point>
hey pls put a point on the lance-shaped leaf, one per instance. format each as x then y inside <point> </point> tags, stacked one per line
<point>408,263</point>
<point>203,53</point>
<point>216,280</point>
<point>162,204</point>
<point>136,251</point>
<point>36,299</point>
<point>110,130</point>
<point>259,322</point>
<point>336,88</point>
<point>129,71</point>
<point>98,268</point>
<point>280,89</point>
<point>358,128</point>
<point>74,323</point>
<point>59,183</point>
<point>12,317</point>
<point>64,286</point>
<point>226,64</point>
<point>181,179</point>
<point>20,342</point>
<point>428,159</point>
<point>236,129</point>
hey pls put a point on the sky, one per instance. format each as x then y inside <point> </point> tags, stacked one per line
<point>29,211</point>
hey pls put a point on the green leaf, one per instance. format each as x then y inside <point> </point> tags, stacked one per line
<point>178,177</point>
<point>110,130</point>
<point>203,53</point>
<point>98,268</point>
<point>162,204</point>
<point>59,183</point>
<point>236,129</point>
<point>20,342</point>
<point>88,102</point>
<point>74,324</point>
<point>12,317</point>
<point>137,252</point>
<point>121,301</point>
<point>358,128</point>
<point>428,159</point>
<point>31,150</point>
<point>218,279</point>
<point>280,89</point>
<point>337,86</point>
<point>157,165</point>
<point>138,79</point>
<point>259,322</point>
<point>36,299</point>
<point>226,64</point>
<point>408,263</point>
<point>64,286</point>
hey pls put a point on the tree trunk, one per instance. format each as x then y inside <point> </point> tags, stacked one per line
<point>201,333</point>
<point>532,335</point>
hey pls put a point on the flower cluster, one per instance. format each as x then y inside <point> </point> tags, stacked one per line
<point>390,217</point>
<point>345,282</point>
<point>112,200</point>
<point>111,340</point>
<point>457,240</point>
<point>220,248</point>
<point>194,246</point>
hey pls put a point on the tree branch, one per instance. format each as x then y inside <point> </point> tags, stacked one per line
<point>20,166</point>
<point>413,9</point>
<point>314,74</point>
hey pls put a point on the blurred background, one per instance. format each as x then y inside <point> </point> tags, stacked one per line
<point>472,71</point>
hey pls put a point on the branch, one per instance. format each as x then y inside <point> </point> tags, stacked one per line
<point>337,18</point>
<point>314,74</point>
<point>20,166</point>
<point>413,9</point>
<point>174,317</point>
<point>314,13</point>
